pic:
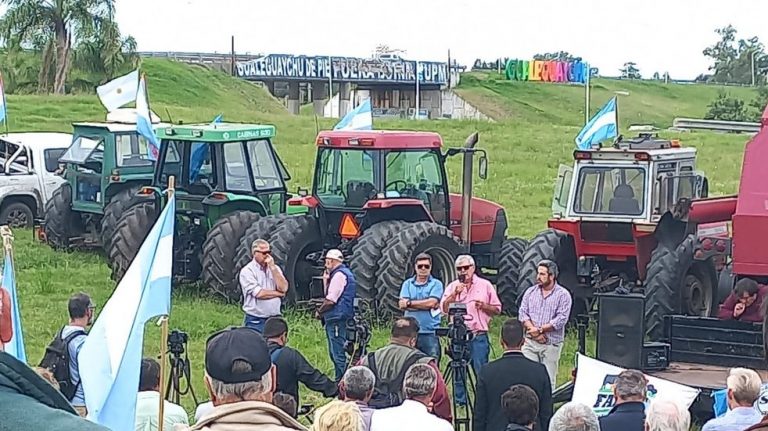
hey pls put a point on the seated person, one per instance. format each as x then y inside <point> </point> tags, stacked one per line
<point>623,201</point>
<point>745,302</point>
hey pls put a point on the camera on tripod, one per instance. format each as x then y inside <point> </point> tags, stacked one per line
<point>180,369</point>
<point>176,342</point>
<point>358,333</point>
<point>457,332</point>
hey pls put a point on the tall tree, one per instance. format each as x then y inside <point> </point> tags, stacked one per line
<point>737,61</point>
<point>105,53</point>
<point>54,26</point>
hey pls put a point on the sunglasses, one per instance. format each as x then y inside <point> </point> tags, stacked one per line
<point>464,268</point>
<point>267,253</point>
<point>423,266</point>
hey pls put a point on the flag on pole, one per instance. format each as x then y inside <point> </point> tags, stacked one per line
<point>359,118</point>
<point>218,119</point>
<point>119,91</point>
<point>15,346</point>
<point>144,121</point>
<point>2,100</point>
<point>604,125</point>
<point>110,359</point>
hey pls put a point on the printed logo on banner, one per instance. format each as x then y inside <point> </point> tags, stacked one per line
<point>605,399</point>
<point>762,402</point>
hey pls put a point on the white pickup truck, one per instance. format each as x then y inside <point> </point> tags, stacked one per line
<point>29,162</point>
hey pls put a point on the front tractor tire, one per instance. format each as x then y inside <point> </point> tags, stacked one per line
<point>61,223</point>
<point>675,283</point>
<point>510,262</point>
<point>220,273</point>
<point>291,241</point>
<point>397,257</point>
<point>130,232</point>
<point>116,206</point>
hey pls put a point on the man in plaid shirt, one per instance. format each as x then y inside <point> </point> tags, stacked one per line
<point>544,311</point>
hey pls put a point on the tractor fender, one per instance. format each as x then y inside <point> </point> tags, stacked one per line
<point>405,209</point>
<point>220,204</point>
<point>670,231</point>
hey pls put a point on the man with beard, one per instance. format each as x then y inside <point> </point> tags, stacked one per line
<point>80,317</point>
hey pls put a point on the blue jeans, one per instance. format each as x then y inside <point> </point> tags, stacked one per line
<point>254,322</point>
<point>429,344</point>
<point>479,351</point>
<point>336,333</point>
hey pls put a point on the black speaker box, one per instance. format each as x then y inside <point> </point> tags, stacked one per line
<point>621,329</point>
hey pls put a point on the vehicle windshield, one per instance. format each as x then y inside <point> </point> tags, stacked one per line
<point>610,191</point>
<point>84,148</point>
<point>346,177</point>
<point>414,174</point>
<point>131,150</point>
<point>266,173</point>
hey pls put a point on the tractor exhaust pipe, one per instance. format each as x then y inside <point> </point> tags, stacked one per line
<point>466,196</point>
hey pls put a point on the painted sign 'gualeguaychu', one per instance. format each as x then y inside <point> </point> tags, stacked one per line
<point>548,71</point>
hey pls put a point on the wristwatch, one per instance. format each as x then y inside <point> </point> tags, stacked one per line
<point>408,303</point>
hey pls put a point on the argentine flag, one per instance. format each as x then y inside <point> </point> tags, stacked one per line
<point>119,91</point>
<point>2,101</point>
<point>144,122</point>
<point>604,125</point>
<point>359,118</point>
<point>15,347</point>
<point>110,359</point>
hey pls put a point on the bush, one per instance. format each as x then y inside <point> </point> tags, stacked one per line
<point>726,108</point>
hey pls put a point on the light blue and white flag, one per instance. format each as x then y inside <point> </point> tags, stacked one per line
<point>110,359</point>
<point>15,347</point>
<point>359,118</point>
<point>604,125</point>
<point>144,121</point>
<point>3,105</point>
<point>119,91</point>
<point>218,119</point>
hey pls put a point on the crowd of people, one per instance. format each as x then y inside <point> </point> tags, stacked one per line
<point>252,374</point>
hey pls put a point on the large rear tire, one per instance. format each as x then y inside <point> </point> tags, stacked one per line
<point>219,265</point>
<point>261,228</point>
<point>550,244</point>
<point>366,254</point>
<point>291,241</point>
<point>396,262</point>
<point>61,223</point>
<point>510,261</point>
<point>676,284</point>
<point>116,206</point>
<point>130,232</point>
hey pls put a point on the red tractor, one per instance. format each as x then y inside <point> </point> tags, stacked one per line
<point>382,197</point>
<point>615,226</point>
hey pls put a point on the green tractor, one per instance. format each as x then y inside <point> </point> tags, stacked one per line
<point>227,176</point>
<point>104,167</point>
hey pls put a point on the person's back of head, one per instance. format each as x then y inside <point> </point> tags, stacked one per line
<point>79,304</point>
<point>338,416</point>
<point>630,385</point>
<point>520,405</point>
<point>405,330</point>
<point>512,334</point>
<point>420,383</point>
<point>573,416</point>
<point>358,383</point>
<point>666,415</point>
<point>149,377</point>
<point>743,387</point>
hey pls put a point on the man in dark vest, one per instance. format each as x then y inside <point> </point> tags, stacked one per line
<point>337,307</point>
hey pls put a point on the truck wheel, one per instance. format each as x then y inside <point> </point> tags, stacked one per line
<point>366,253</point>
<point>396,262</point>
<point>131,229</point>
<point>17,215</point>
<point>261,228</point>
<point>291,241</point>
<point>116,206</point>
<point>550,244</point>
<point>219,250</point>
<point>676,284</point>
<point>510,261</point>
<point>61,223</point>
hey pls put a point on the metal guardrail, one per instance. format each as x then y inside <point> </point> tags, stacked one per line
<point>199,57</point>
<point>717,125</point>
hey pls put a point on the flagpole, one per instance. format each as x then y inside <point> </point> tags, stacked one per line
<point>330,87</point>
<point>164,335</point>
<point>586,97</point>
<point>416,116</point>
<point>5,108</point>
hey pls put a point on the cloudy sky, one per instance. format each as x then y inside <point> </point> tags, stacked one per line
<point>658,35</point>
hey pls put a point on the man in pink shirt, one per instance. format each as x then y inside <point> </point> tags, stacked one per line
<point>479,295</point>
<point>337,307</point>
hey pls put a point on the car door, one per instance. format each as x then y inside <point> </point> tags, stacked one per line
<point>47,165</point>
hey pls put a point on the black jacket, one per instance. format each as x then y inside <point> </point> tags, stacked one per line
<point>293,367</point>
<point>628,416</point>
<point>497,377</point>
<point>27,402</point>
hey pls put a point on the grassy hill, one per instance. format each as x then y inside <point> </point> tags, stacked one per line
<point>648,102</point>
<point>532,137</point>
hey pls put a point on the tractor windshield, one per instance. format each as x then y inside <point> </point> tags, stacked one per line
<point>267,174</point>
<point>415,174</point>
<point>84,148</point>
<point>132,150</point>
<point>610,190</point>
<point>346,178</point>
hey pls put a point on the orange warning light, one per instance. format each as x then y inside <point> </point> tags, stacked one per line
<point>349,227</point>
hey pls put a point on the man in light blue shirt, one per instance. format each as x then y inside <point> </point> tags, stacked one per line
<point>420,298</point>
<point>743,389</point>
<point>80,317</point>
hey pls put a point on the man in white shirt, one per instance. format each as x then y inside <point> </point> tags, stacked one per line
<point>263,285</point>
<point>148,401</point>
<point>413,415</point>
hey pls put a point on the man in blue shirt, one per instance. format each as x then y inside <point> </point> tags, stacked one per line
<point>743,390</point>
<point>420,298</point>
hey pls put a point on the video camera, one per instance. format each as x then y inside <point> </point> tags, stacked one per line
<point>176,342</point>
<point>358,333</point>
<point>457,332</point>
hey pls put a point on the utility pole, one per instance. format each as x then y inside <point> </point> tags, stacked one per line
<point>753,67</point>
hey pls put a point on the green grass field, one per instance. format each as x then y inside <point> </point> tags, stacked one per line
<point>534,134</point>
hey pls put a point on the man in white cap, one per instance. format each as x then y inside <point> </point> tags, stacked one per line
<point>337,307</point>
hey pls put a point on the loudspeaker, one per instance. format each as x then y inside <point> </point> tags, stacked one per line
<point>621,329</point>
